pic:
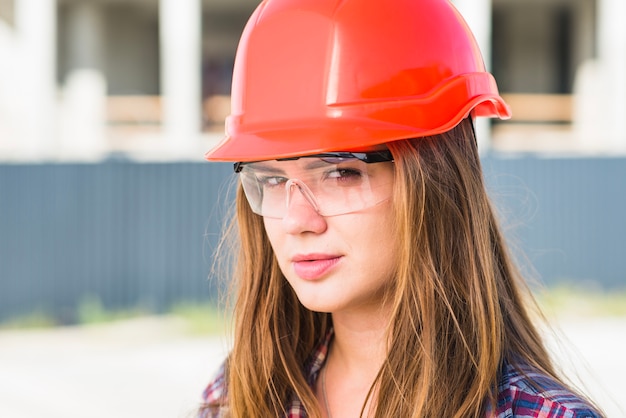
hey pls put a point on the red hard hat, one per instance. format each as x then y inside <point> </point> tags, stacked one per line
<point>333,75</point>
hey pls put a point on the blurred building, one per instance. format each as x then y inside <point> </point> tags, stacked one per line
<point>81,79</point>
<point>116,81</point>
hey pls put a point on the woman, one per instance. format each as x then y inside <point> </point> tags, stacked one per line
<point>372,279</point>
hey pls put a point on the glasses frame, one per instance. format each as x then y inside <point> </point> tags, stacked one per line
<point>367,157</point>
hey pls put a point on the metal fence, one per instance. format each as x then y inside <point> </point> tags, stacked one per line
<point>142,235</point>
<point>129,234</point>
<point>565,216</point>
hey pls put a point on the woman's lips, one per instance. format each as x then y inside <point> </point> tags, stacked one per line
<point>313,267</point>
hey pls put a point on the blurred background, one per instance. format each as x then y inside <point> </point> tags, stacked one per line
<point>107,209</point>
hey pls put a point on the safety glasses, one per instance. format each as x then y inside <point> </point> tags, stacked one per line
<point>333,183</point>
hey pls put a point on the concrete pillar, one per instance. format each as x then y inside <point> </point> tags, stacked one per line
<point>612,55</point>
<point>600,87</point>
<point>8,90</point>
<point>477,13</point>
<point>582,31</point>
<point>35,23</point>
<point>84,98</point>
<point>180,37</point>
<point>83,121</point>
<point>85,36</point>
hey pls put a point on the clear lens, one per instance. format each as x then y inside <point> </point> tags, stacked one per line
<point>333,186</point>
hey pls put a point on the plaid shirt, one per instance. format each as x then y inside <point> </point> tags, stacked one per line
<point>517,396</point>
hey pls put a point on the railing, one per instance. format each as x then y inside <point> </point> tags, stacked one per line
<point>540,108</point>
<point>129,110</point>
<point>148,110</point>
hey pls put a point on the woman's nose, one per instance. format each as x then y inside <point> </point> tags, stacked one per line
<point>301,211</point>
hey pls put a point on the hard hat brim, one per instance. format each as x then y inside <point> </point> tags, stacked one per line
<point>337,134</point>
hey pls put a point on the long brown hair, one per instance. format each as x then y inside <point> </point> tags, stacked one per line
<point>273,333</point>
<point>459,303</point>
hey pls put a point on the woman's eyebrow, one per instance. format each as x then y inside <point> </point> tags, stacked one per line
<point>307,164</point>
<point>268,168</point>
<point>312,163</point>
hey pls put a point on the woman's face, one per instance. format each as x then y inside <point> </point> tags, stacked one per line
<point>340,262</point>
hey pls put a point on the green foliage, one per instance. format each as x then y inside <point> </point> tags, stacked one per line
<point>567,299</point>
<point>32,320</point>
<point>91,311</point>
<point>202,318</point>
<point>196,318</point>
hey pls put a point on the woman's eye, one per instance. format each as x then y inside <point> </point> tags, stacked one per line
<point>272,181</point>
<point>345,175</point>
